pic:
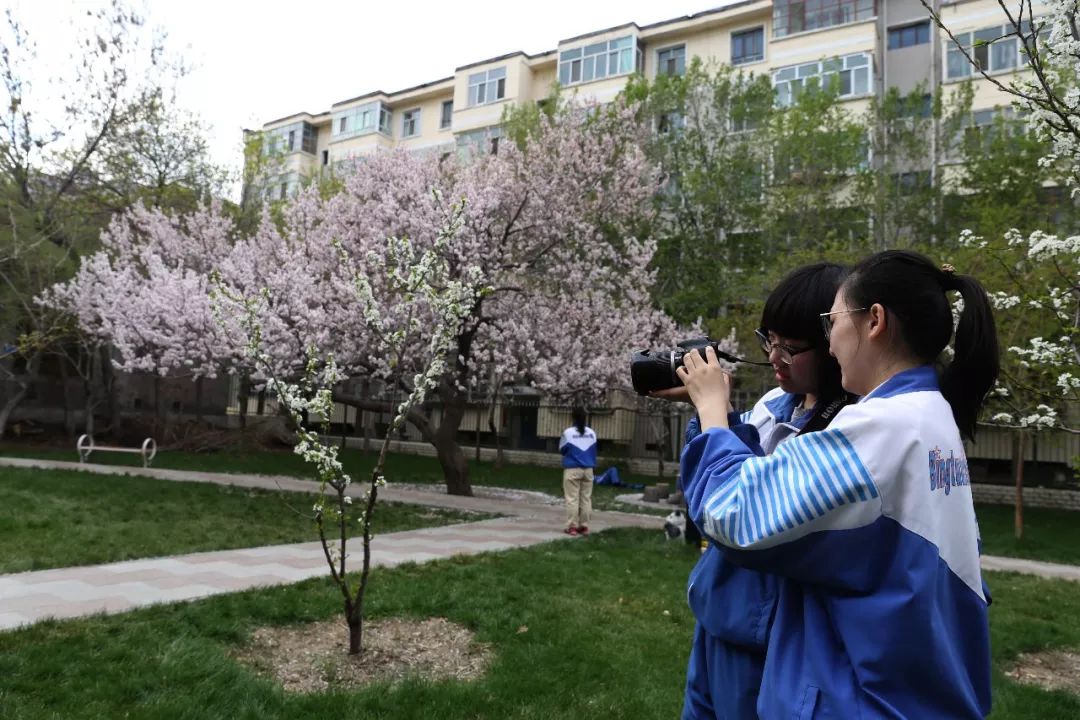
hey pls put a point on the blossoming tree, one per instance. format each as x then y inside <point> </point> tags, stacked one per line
<point>558,229</point>
<point>438,305</point>
<point>1039,297</point>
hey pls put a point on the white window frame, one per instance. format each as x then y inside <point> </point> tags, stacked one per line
<point>487,87</point>
<point>363,119</point>
<point>740,31</point>
<point>446,119</point>
<point>581,64</point>
<point>410,123</point>
<point>670,48</point>
<point>995,57</point>
<point>787,78</point>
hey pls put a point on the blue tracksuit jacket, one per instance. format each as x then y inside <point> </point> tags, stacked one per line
<point>733,605</point>
<point>870,525</point>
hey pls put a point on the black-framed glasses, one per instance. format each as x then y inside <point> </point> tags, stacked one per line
<point>827,319</point>
<point>787,353</point>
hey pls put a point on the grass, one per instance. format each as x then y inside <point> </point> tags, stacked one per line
<point>608,633</point>
<point>400,468</point>
<point>1049,535</point>
<point>56,518</point>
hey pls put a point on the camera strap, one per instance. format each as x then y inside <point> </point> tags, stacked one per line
<point>821,418</point>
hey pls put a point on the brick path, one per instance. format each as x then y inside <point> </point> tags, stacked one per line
<point>116,587</point>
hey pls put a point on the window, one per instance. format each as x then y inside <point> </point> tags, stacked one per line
<point>671,61</point>
<point>487,87</point>
<point>908,183</point>
<point>990,49</point>
<point>985,126</point>
<point>922,107</point>
<point>475,142</point>
<point>670,121</point>
<point>909,35</point>
<point>325,157</point>
<point>795,16</point>
<point>410,123</point>
<point>361,120</point>
<point>446,114</point>
<point>851,73</point>
<point>748,46</point>
<point>600,60</point>
<point>285,139</point>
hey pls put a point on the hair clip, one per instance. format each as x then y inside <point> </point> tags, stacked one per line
<point>948,269</point>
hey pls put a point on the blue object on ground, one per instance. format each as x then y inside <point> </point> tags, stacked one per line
<point>611,477</point>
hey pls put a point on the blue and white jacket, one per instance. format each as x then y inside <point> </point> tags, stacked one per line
<point>870,524</point>
<point>578,449</point>
<point>731,603</point>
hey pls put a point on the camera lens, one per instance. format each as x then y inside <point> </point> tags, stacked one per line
<point>653,371</point>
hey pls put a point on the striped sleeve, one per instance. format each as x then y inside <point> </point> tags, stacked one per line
<point>813,482</point>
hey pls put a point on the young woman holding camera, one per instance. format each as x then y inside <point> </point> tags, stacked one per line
<point>733,606</point>
<point>868,524</point>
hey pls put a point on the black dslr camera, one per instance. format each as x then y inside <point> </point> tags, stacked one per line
<point>655,369</point>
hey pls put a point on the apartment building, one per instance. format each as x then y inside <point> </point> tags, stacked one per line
<point>869,45</point>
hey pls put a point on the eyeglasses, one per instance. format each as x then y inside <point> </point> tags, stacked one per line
<point>827,320</point>
<point>787,353</point>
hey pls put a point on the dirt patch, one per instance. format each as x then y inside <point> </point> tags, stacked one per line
<point>314,657</point>
<point>1050,670</point>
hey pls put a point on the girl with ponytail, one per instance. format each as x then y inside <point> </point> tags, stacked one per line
<point>869,523</point>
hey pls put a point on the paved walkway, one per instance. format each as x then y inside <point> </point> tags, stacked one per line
<point>116,587</point>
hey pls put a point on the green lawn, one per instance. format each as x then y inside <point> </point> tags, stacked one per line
<point>54,518</point>
<point>1049,535</point>
<point>608,636</point>
<point>400,468</point>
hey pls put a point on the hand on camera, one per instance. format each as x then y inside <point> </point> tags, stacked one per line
<point>708,386</point>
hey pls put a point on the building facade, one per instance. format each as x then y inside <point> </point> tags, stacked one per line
<point>868,45</point>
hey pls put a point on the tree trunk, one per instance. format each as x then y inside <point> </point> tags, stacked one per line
<point>198,399</point>
<point>69,415</point>
<point>477,434</point>
<point>454,464</point>
<point>495,430</point>
<point>1019,444</point>
<point>11,404</point>
<point>356,632</point>
<point>88,409</point>
<point>157,406</point>
<point>20,395</point>
<point>108,386</point>
<point>242,394</point>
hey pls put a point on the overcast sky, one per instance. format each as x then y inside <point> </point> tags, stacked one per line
<point>257,61</point>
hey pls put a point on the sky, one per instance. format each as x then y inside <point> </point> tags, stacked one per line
<point>258,61</point>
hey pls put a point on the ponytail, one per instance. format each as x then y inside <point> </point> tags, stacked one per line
<point>976,362</point>
<point>914,290</point>
<point>578,414</point>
